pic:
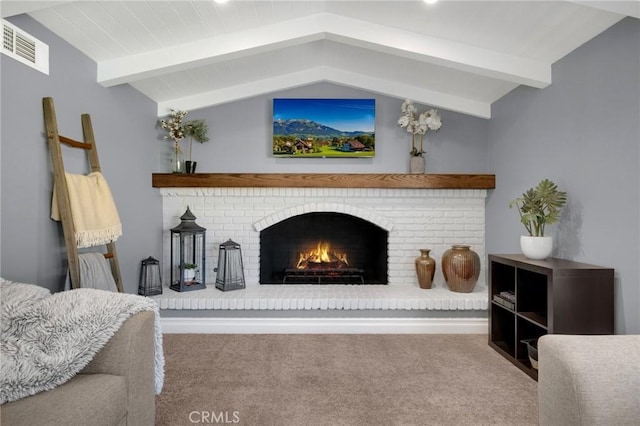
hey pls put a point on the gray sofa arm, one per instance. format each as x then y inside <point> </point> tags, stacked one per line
<point>589,380</point>
<point>130,354</point>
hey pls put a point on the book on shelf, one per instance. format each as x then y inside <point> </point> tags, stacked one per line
<point>501,301</point>
<point>508,295</point>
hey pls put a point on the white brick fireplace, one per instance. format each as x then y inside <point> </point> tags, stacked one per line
<point>414,219</point>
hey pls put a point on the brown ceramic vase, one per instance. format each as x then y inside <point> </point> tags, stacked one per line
<point>461,268</point>
<point>425,269</point>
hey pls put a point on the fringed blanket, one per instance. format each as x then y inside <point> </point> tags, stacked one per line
<point>46,339</point>
<point>94,212</point>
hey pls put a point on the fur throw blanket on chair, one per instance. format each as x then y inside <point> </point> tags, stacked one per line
<point>46,339</point>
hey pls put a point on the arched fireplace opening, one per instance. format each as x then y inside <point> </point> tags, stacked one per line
<point>324,248</point>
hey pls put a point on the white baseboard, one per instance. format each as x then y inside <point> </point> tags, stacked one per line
<point>325,325</point>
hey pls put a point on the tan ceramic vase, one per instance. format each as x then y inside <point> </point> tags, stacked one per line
<point>425,269</point>
<point>461,268</point>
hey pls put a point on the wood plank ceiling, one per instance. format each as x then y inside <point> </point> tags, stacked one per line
<point>456,55</point>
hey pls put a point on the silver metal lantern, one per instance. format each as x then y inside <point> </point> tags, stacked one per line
<point>230,271</point>
<point>187,254</point>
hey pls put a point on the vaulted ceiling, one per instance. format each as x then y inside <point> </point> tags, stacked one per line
<point>456,55</point>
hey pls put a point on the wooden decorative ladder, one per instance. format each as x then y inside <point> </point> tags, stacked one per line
<point>62,192</point>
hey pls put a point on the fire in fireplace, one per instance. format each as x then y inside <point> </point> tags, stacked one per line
<point>323,265</point>
<point>322,257</point>
<point>323,248</point>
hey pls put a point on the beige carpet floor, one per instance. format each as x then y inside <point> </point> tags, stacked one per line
<point>341,380</point>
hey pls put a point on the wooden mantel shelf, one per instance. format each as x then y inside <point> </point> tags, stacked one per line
<point>323,180</point>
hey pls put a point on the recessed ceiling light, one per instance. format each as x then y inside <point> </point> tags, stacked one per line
<point>221,1</point>
<point>431,1</point>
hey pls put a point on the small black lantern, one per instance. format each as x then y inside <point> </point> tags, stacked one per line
<point>230,271</point>
<point>150,282</point>
<point>187,254</point>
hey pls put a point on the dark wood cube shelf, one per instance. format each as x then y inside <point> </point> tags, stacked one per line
<point>552,296</point>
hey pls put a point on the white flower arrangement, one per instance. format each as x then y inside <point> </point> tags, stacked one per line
<point>425,121</point>
<point>175,132</point>
<point>173,126</point>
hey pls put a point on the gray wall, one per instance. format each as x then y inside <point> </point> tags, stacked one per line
<point>582,132</point>
<point>131,148</point>
<point>241,134</point>
<point>123,122</point>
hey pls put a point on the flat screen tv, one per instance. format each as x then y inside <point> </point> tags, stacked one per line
<point>324,128</point>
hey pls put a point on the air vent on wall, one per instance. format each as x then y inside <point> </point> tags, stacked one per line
<point>25,48</point>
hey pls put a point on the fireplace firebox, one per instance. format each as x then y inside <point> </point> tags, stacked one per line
<point>323,248</point>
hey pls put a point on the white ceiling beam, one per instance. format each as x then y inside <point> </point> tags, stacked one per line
<point>331,75</point>
<point>12,8</point>
<point>393,41</point>
<point>625,8</point>
<point>438,51</point>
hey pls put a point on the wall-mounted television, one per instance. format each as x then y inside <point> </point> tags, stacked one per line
<point>324,128</point>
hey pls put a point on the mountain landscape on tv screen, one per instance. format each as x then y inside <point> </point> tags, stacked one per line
<point>302,127</point>
<point>323,128</point>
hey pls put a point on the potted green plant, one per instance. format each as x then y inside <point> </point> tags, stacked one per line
<point>195,130</point>
<point>539,206</point>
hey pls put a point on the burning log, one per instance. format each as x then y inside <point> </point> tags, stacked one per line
<point>322,257</point>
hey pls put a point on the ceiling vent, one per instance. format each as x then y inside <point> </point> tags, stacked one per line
<point>24,48</point>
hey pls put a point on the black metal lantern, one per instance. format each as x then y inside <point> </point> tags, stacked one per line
<point>187,254</point>
<point>150,282</point>
<point>230,271</point>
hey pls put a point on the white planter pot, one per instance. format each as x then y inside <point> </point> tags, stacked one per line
<point>416,165</point>
<point>536,248</point>
<point>189,274</point>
